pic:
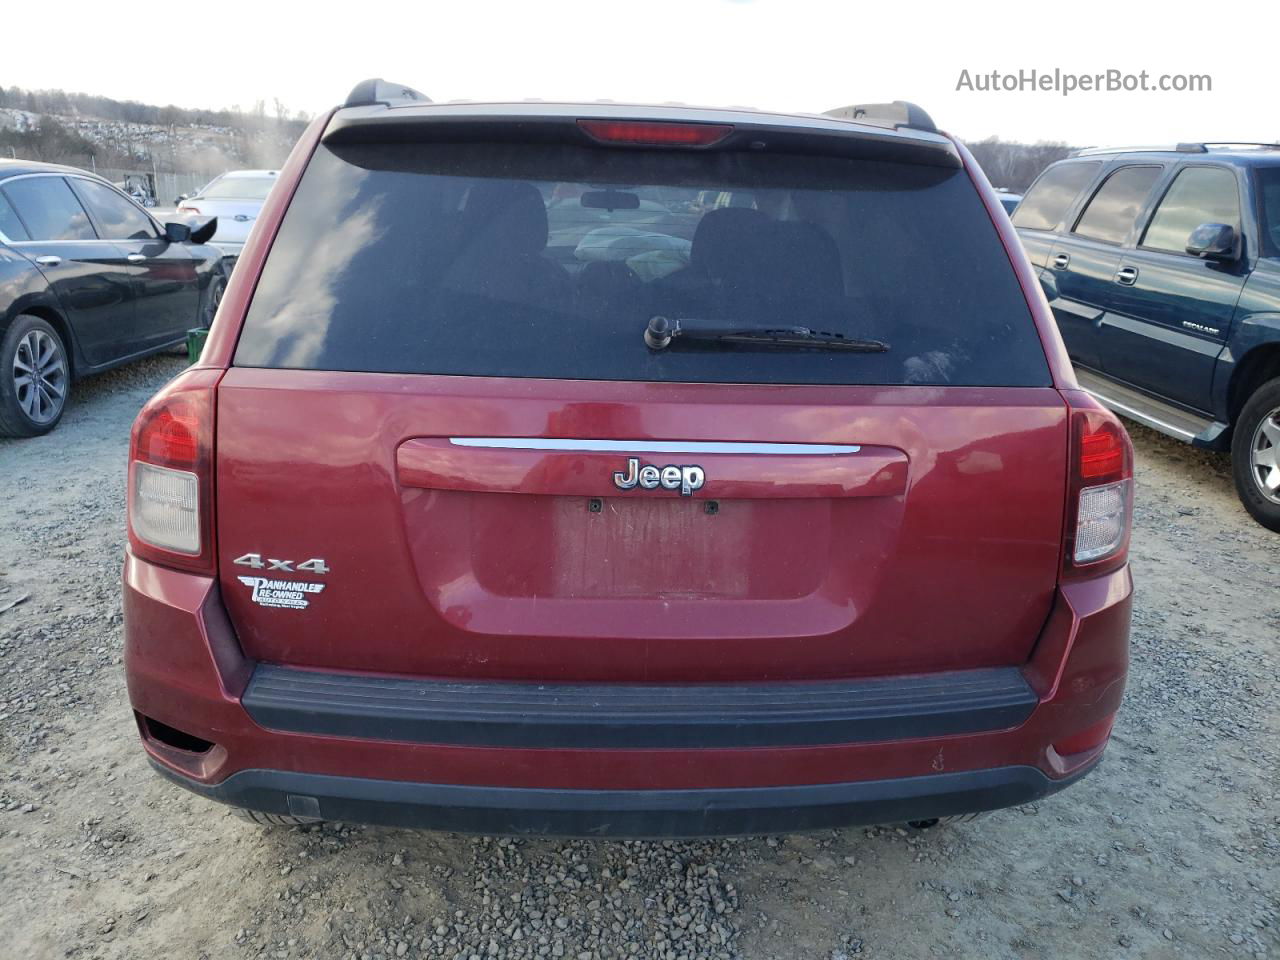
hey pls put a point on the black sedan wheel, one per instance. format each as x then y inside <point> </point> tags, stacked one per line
<point>217,287</point>
<point>35,378</point>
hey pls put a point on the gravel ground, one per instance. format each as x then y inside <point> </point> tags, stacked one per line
<point>1172,849</point>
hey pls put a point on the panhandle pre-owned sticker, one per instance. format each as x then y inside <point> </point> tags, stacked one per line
<point>290,594</point>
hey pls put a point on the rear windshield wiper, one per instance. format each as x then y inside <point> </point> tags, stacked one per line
<point>663,331</point>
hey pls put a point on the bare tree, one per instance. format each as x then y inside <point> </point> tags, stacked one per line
<point>1015,165</point>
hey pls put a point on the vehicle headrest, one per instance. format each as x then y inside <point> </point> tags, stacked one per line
<point>510,215</point>
<point>807,257</point>
<point>724,237</point>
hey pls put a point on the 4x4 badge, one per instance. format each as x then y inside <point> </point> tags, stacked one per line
<point>686,478</point>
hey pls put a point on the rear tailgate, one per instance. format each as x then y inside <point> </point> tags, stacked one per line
<point>427,447</point>
<point>934,546</point>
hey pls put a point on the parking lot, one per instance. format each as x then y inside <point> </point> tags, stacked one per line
<point>1171,849</point>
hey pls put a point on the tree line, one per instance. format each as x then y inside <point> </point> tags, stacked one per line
<point>62,103</point>
<point>257,137</point>
<point>261,136</point>
<point>1014,165</point>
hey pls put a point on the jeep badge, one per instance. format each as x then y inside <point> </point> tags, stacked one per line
<point>686,479</point>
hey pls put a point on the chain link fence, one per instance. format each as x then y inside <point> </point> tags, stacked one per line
<point>163,188</point>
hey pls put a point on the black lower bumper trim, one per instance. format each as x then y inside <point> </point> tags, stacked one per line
<point>631,716</point>
<point>742,811</point>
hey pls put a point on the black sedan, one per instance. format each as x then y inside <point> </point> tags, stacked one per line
<point>88,280</point>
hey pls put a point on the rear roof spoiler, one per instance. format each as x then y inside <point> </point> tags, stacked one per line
<point>367,93</point>
<point>414,118</point>
<point>900,113</point>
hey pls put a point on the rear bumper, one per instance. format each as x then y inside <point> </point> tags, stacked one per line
<point>457,756</point>
<point>630,717</point>
<point>746,811</point>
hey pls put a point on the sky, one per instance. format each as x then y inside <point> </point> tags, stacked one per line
<point>791,55</point>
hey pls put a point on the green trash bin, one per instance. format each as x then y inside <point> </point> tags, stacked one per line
<point>195,342</point>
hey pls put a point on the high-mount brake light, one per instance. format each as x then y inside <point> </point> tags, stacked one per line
<point>170,475</point>
<point>1100,494</point>
<point>656,133</point>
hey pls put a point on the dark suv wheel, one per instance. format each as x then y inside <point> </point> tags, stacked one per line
<point>1255,455</point>
<point>35,378</point>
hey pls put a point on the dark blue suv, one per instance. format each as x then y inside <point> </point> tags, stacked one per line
<point>1163,270</point>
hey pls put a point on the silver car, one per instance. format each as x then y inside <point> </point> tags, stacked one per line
<point>235,198</point>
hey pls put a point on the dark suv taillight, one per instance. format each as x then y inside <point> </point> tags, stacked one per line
<point>171,474</point>
<point>1100,491</point>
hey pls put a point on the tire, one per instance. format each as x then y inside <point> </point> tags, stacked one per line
<point>272,819</point>
<point>1255,455</point>
<point>213,296</point>
<point>29,407</point>
<point>919,826</point>
<point>208,306</point>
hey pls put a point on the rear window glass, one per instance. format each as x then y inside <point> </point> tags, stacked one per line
<point>1114,209</point>
<point>49,210</point>
<point>10,225</point>
<point>1049,198</point>
<point>549,261</point>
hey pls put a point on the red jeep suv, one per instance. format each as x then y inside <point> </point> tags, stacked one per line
<point>607,470</point>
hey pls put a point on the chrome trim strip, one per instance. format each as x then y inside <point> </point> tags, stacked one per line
<point>1143,418</point>
<point>653,446</point>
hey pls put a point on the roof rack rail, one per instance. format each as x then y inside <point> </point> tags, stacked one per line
<point>1177,148</point>
<point>1240,143</point>
<point>367,93</point>
<point>900,113</point>
<point>1150,148</point>
<point>1204,147</point>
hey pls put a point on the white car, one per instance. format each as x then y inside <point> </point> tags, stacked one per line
<point>1008,200</point>
<point>235,198</point>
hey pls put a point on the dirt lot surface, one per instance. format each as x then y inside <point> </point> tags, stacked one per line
<point>1172,849</point>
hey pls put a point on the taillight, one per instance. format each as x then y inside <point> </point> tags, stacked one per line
<point>1100,493</point>
<point>656,133</point>
<point>171,474</point>
<point>188,209</point>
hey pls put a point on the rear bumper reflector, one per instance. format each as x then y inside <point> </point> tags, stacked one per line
<point>738,811</point>
<point>614,716</point>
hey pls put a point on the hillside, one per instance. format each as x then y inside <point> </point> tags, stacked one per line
<point>117,137</point>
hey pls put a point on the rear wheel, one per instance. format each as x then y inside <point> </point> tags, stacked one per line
<point>933,822</point>
<point>35,378</point>
<point>272,819</point>
<point>1255,455</point>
